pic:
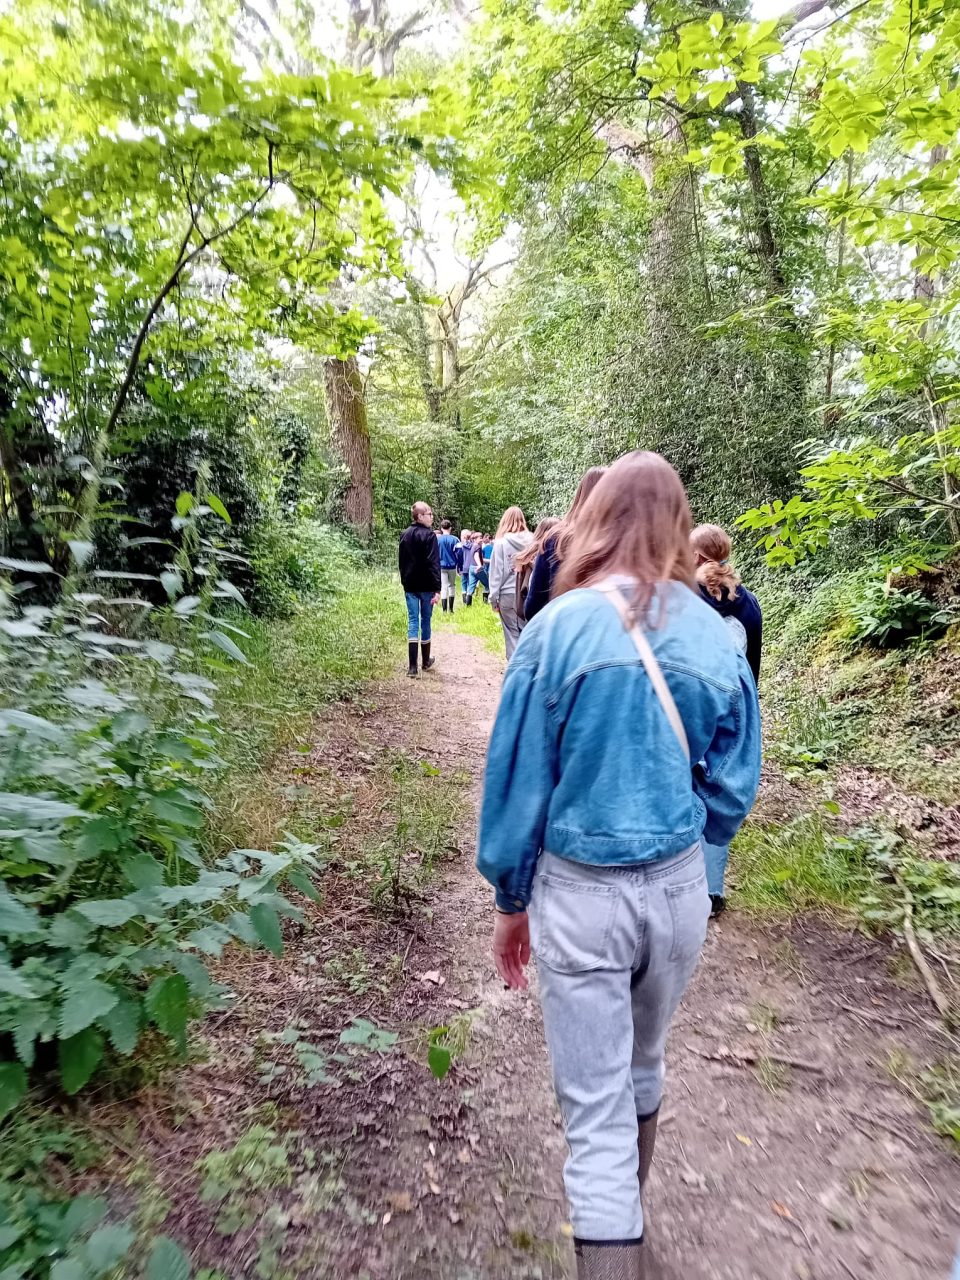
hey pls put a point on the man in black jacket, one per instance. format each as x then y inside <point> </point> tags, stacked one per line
<point>420,576</point>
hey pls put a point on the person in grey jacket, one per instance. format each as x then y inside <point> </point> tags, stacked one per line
<point>512,536</point>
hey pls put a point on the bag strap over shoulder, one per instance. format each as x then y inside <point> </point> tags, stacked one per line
<point>651,666</point>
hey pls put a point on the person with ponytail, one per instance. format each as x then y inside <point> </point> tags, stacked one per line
<point>550,555</point>
<point>721,588</point>
<point>628,728</point>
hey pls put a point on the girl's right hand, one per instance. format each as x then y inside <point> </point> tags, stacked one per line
<point>511,948</point>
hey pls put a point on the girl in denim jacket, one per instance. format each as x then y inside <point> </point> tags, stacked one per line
<point>628,729</point>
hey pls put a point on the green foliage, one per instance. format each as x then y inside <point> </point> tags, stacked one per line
<point>107,907</point>
<point>886,617</point>
<point>804,864</point>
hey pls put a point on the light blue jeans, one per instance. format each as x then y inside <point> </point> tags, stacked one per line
<point>615,948</point>
<point>715,856</point>
<point>419,612</point>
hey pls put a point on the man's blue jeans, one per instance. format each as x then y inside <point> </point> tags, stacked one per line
<point>477,576</point>
<point>419,612</point>
<point>715,856</point>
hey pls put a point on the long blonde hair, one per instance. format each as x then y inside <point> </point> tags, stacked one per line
<point>588,482</point>
<point>530,553</point>
<point>712,545</point>
<point>637,521</point>
<point>512,521</point>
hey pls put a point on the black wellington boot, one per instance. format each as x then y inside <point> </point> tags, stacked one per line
<point>428,662</point>
<point>610,1260</point>
<point>468,601</point>
<point>646,1140</point>
<point>450,602</point>
<point>412,663</point>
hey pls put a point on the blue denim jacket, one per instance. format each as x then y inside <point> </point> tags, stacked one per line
<point>583,762</point>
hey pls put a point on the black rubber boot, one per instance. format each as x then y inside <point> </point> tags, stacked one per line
<point>610,1259</point>
<point>443,604</point>
<point>646,1140</point>
<point>450,602</point>
<point>718,904</point>
<point>428,662</point>
<point>468,601</point>
<point>412,652</point>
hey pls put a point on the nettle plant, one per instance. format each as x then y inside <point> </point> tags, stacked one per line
<point>108,908</point>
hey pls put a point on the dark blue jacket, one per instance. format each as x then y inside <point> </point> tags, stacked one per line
<point>745,610</point>
<point>541,580</point>
<point>448,550</point>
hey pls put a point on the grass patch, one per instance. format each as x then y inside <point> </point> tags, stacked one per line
<point>476,620</point>
<point>801,865</point>
<point>297,665</point>
<point>422,802</point>
<point>324,653</point>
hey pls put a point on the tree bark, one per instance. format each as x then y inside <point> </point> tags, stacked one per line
<point>771,256</point>
<point>347,412</point>
<point>925,289</point>
<point>17,483</point>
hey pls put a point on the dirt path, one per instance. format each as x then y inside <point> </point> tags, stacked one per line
<point>788,1148</point>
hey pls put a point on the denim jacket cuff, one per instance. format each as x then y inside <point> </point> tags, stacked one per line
<point>509,905</point>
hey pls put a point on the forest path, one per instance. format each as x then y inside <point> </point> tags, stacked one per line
<point>788,1151</point>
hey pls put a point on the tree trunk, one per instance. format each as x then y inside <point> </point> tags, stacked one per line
<point>925,289</point>
<point>771,257</point>
<point>29,535</point>
<point>347,412</point>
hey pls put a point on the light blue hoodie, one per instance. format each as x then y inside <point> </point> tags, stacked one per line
<point>583,762</point>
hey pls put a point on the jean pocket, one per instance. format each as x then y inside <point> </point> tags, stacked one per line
<point>689,905</point>
<point>571,923</point>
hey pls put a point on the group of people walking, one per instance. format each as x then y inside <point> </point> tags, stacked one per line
<point>624,757</point>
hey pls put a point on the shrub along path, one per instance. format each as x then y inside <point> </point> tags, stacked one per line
<point>789,1148</point>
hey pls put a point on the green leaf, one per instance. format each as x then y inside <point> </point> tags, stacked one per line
<point>122,1025</point>
<point>13,983</point>
<point>266,924</point>
<point>302,882</point>
<point>31,1020</point>
<point>83,1005</point>
<point>79,1057</point>
<point>13,1087</point>
<point>368,1036</point>
<point>81,551</point>
<point>100,835</point>
<point>143,871</point>
<point>438,1059</point>
<point>69,1269</point>
<point>24,566</point>
<point>172,807</point>
<point>108,913</point>
<point>16,920</point>
<point>168,1003</point>
<point>167,1261</point>
<point>229,647</point>
<point>217,507</point>
<point>184,503</point>
<point>83,1214</point>
<point>211,939</point>
<point>107,1248</point>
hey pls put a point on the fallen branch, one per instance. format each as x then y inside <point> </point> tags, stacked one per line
<point>750,1059</point>
<point>934,990</point>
